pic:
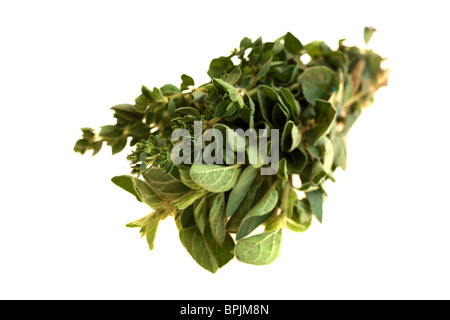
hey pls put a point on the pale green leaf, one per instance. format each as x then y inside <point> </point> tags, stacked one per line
<point>260,249</point>
<point>187,199</point>
<point>164,185</point>
<point>215,178</point>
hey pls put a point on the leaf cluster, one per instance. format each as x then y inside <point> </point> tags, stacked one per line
<point>310,92</point>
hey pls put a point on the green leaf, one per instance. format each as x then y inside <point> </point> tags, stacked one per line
<point>236,219</point>
<point>217,219</point>
<point>368,32</point>
<point>317,83</point>
<point>264,69</point>
<point>151,228</point>
<point>197,246</point>
<point>289,196</point>
<point>171,107</point>
<point>220,66</point>
<point>126,182</point>
<point>148,94</point>
<point>280,115</point>
<point>290,101</point>
<point>297,161</point>
<point>139,189</point>
<point>258,214</point>
<point>189,110</point>
<point>301,217</point>
<point>169,90</point>
<point>126,107</point>
<point>316,199</point>
<point>327,151</point>
<point>267,98</point>
<point>139,223</point>
<point>260,249</point>
<point>186,178</point>
<point>282,169</point>
<point>223,253</point>
<point>164,185</point>
<point>240,190</point>
<point>326,114</point>
<point>187,218</point>
<point>317,48</point>
<point>215,178</point>
<point>318,173</point>
<point>139,129</point>
<point>187,199</point>
<point>245,43</point>
<point>200,214</point>
<point>233,77</point>
<point>81,145</point>
<point>119,145</point>
<point>187,81</point>
<point>292,44</point>
<point>291,137</point>
<point>110,132</point>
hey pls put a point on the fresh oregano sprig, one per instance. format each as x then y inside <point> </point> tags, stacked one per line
<point>312,94</point>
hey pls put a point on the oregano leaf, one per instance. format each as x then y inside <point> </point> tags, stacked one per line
<point>260,249</point>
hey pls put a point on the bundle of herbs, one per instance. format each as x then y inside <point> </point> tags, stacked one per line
<point>222,158</point>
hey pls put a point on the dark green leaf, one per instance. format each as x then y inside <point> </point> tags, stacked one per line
<point>220,66</point>
<point>326,114</point>
<point>187,218</point>
<point>292,44</point>
<point>126,183</point>
<point>217,219</point>
<point>368,32</point>
<point>317,48</point>
<point>191,111</point>
<point>267,98</point>
<point>187,81</point>
<point>200,214</point>
<point>186,178</point>
<point>197,246</point>
<point>169,90</point>
<point>110,132</point>
<point>264,69</point>
<point>171,107</point>
<point>301,218</point>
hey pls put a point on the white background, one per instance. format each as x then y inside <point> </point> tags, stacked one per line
<point>385,233</point>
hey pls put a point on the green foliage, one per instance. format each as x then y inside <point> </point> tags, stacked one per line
<point>219,208</point>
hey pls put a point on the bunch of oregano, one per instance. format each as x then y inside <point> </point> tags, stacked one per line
<point>221,158</point>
